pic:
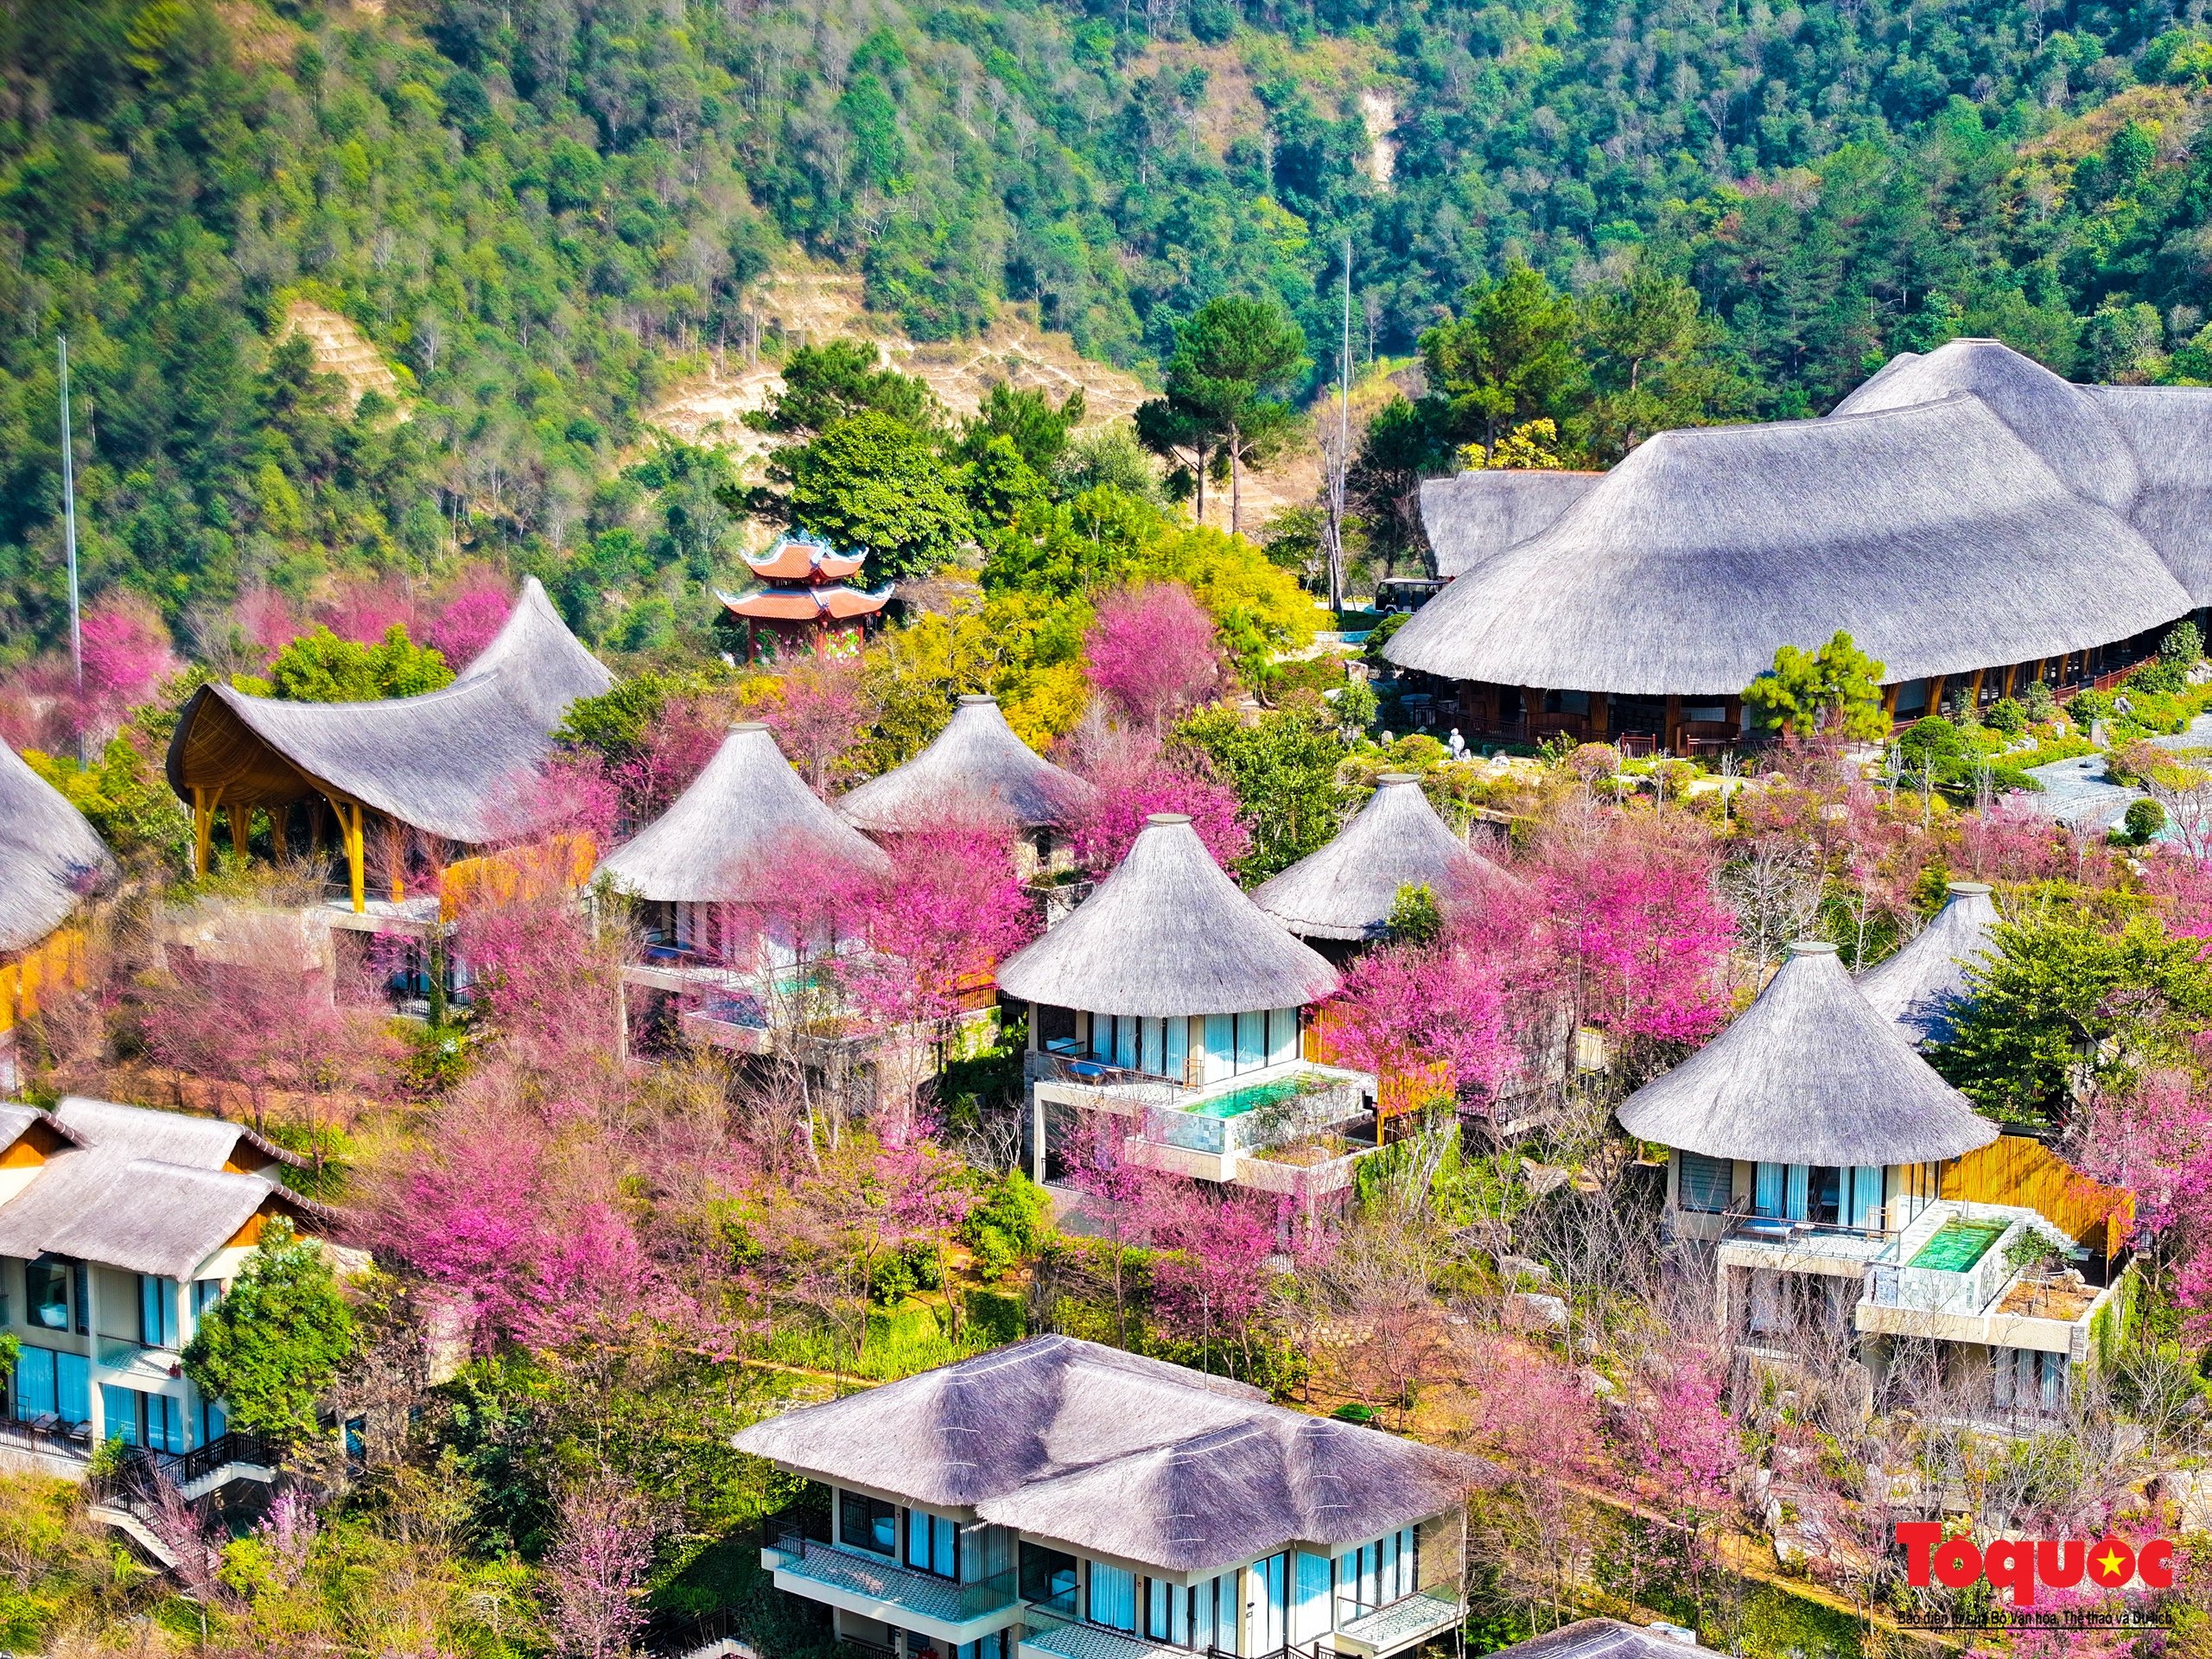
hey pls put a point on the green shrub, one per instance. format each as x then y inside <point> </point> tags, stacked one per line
<point>2084,707</point>
<point>996,1317</point>
<point>2041,705</point>
<point>2162,678</point>
<point>2144,820</point>
<point>2182,645</point>
<point>1934,739</point>
<point>1009,1225</point>
<point>2006,716</point>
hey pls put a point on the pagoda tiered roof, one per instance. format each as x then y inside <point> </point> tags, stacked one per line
<point>801,558</point>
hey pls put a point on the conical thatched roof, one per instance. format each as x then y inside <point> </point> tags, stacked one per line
<point>455,762</point>
<point>2169,430</point>
<point>1168,933</point>
<point>1808,1074</point>
<point>1477,515</point>
<point>747,831</point>
<point>1346,889</point>
<point>975,765</point>
<point>1130,1457</point>
<point>50,858</point>
<point>1922,987</point>
<point>1931,533</point>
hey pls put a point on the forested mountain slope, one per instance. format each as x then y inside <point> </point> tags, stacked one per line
<point>542,209</point>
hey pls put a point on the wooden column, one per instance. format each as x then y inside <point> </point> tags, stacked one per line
<point>1890,702</point>
<point>203,828</point>
<point>1973,692</point>
<point>2012,671</point>
<point>1600,717</point>
<point>1936,695</point>
<point>1673,737</point>
<point>349,830</point>
<point>241,832</point>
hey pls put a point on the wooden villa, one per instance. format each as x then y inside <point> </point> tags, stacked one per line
<point>51,862</point>
<point>802,601</point>
<point>409,781</point>
<point>1974,522</point>
<point>976,767</point>
<point>1057,1499</point>
<point>1923,985</point>
<point>1170,1000</point>
<point>1851,1196</point>
<point>1341,895</point>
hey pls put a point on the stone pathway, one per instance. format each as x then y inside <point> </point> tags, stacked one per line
<point>2076,791</point>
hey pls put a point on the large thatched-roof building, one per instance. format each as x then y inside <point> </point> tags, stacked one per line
<point>1925,985</point>
<point>1077,1502</point>
<point>1345,891</point>
<point>1974,521</point>
<point>451,768</point>
<point>738,852</point>
<point>51,860</point>
<point>976,767</point>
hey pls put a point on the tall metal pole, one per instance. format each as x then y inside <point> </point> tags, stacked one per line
<point>69,540</point>
<point>1344,448</point>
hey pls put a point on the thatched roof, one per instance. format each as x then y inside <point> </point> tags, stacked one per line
<point>170,1137</point>
<point>975,765</point>
<point>50,859</point>
<point>1168,933</point>
<point>103,1199</point>
<point>1598,1638</point>
<point>1808,1074</point>
<point>454,762</point>
<point>1118,1455</point>
<point>1477,515</point>
<point>1921,988</point>
<point>2169,430</point>
<point>1345,890</point>
<point>747,831</point>
<point>1930,533</point>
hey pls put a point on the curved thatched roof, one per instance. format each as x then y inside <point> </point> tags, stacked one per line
<point>1130,1457</point>
<point>2168,429</point>
<point>744,833</point>
<point>975,765</point>
<point>2060,421</point>
<point>1921,987</point>
<point>1345,890</point>
<point>454,762</point>
<point>1168,933</point>
<point>1808,1074</point>
<point>50,858</point>
<point>1477,515</point>
<point>1707,548</point>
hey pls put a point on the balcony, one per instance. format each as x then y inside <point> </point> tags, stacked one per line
<point>1955,1275</point>
<point>1375,1632</point>
<point>1775,1243</point>
<point>1220,1131</point>
<point>874,1587</point>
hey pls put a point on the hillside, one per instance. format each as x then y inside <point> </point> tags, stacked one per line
<point>549,221</point>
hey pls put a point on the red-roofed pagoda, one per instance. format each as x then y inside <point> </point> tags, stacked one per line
<point>803,602</point>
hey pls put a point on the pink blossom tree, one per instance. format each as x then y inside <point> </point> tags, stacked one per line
<point>127,657</point>
<point>677,749</point>
<point>268,622</point>
<point>364,610</point>
<point>1455,1010</point>
<point>1212,1285</point>
<point>602,1544</point>
<point>1150,653</point>
<point>818,712</point>
<point>952,910</point>
<point>475,610</point>
<point>551,989</point>
<point>1640,929</point>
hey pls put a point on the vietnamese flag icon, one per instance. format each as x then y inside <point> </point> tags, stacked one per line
<point>2111,1563</point>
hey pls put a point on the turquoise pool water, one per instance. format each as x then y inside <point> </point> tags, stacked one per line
<point>1958,1245</point>
<point>1251,1097</point>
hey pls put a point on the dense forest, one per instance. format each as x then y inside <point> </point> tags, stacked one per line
<point>543,212</point>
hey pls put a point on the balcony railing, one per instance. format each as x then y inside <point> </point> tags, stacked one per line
<point>882,1579</point>
<point>1782,1230</point>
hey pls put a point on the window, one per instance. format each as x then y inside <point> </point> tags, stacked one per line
<point>119,1414</point>
<point>156,1311</point>
<point>1113,1596</point>
<point>1711,714</point>
<point>932,1544</point>
<point>1270,1609</point>
<point>1797,1191</point>
<point>1766,1189</point>
<point>1865,1208</point>
<point>1048,1576</point>
<point>1213,1613</point>
<point>1153,1060</point>
<point>1179,1047</point>
<point>46,1293</point>
<point>1251,1039</point>
<point>1309,1609</point>
<point>867,1524</point>
<point>1221,1046</point>
<point>1160,1610</point>
<point>1825,1197</point>
<point>1703,1184</point>
<point>35,1383</point>
<point>1282,1035</point>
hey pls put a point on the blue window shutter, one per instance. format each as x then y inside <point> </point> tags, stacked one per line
<point>72,1388</point>
<point>34,1381</point>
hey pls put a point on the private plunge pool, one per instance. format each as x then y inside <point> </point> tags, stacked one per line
<point>1250,1098</point>
<point>1957,1245</point>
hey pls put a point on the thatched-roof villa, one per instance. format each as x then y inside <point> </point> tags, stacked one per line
<point>1060,1500</point>
<point>722,878</point>
<point>1169,998</point>
<point>1344,893</point>
<point>1922,987</point>
<point>452,768</point>
<point>51,862</point>
<point>1974,522</point>
<point>976,767</point>
<point>1854,1196</point>
<point>119,1228</point>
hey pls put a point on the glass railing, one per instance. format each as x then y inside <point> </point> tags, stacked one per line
<point>887,1581</point>
<point>118,1351</point>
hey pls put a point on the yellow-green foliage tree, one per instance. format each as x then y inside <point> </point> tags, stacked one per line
<point>1836,689</point>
